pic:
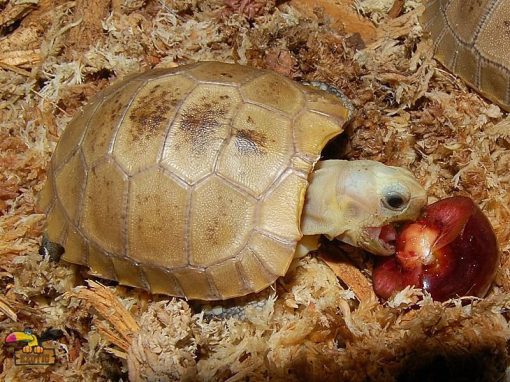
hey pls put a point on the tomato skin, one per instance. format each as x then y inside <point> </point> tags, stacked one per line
<point>450,251</point>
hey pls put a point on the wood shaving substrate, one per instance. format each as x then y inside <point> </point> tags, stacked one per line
<point>54,56</point>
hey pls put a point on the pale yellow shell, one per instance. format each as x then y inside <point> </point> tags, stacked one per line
<point>189,181</point>
<point>471,38</point>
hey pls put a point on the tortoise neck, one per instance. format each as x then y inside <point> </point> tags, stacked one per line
<point>321,198</point>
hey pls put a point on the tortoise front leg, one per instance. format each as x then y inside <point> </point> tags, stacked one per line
<point>53,250</point>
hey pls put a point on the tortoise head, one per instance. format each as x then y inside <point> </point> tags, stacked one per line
<point>357,202</point>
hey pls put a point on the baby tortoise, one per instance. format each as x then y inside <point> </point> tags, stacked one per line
<point>197,181</point>
<point>472,39</point>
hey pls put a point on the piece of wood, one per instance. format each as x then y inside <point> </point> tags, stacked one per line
<point>7,310</point>
<point>350,275</point>
<point>14,12</point>
<point>396,9</point>
<point>90,14</point>
<point>342,15</point>
<point>110,308</point>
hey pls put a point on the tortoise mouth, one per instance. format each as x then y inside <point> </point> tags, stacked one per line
<point>382,239</point>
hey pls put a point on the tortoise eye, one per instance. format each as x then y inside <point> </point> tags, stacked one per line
<point>395,201</point>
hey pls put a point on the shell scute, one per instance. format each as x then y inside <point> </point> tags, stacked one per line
<point>46,197</point>
<point>76,247</point>
<point>492,39</point>
<point>467,64</point>
<point>74,134</point>
<point>69,181</point>
<point>445,46</point>
<point>471,40</point>
<point>56,223</point>
<point>144,128</point>
<point>100,263</point>
<point>471,13</point>
<point>104,123</point>
<point>269,251</point>
<point>254,270</point>
<point>309,124</point>
<point>199,130</point>
<point>228,279</point>
<point>157,216</point>
<point>128,273</point>
<point>286,196</point>
<point>221,219</point>
<point>195,284</point>
<point>258,149</point>
<point>274,91</point>
<point>161,280</point>
<point>104,207</point>
<point>494,81</point>
<point>219,72</point>
<point>328,105</point>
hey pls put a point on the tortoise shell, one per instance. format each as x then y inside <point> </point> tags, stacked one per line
<point>472,40</point>
<point>189,181</point>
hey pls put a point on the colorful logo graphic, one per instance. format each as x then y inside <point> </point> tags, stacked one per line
<point>32,352</point>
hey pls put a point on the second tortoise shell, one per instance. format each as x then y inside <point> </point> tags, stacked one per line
<point>189,181</point>
<point>472,39</point>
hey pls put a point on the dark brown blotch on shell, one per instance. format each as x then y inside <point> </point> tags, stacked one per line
<point>150,117</point>
<point>200,121</point>
<point>250,141</point>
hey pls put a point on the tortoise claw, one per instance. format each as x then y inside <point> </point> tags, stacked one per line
<point>50,249</point>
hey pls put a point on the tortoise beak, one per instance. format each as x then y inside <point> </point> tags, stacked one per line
<point>380,240</point>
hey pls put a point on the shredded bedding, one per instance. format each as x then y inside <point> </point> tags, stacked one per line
<point>315,323</point>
